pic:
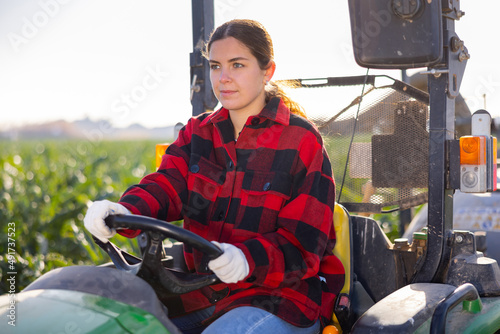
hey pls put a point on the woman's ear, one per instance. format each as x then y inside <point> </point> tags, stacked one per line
<point>270,71</point>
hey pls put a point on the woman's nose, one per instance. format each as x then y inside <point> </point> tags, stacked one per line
<point>224,76</point>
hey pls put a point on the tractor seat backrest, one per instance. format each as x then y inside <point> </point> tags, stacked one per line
<point>341,317</point>
<point>353,300</point>
<point>341,222</point>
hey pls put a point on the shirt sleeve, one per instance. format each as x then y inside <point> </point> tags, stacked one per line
<point>161,194</point>
<point>305,224</point>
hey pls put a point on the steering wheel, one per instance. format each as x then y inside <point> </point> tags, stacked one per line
<point>150,267</point>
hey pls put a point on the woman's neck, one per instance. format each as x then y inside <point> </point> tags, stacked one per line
<point>240,117</point>
<point>238,121</point>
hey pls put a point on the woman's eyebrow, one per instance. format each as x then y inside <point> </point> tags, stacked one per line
<point>232,60</point>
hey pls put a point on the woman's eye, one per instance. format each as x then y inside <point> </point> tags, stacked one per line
<point>214,66</point>
<point>238,65</point>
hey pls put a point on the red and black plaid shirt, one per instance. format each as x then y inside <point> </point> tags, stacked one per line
<point>271,193</point>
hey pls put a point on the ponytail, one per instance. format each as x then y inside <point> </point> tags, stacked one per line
<point>277,89</point>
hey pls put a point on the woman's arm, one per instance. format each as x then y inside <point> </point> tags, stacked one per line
<point>161,194</point>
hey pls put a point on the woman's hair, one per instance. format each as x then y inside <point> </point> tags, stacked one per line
<point>256,38</point>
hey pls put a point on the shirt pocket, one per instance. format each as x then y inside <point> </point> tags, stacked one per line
<point>205,180</point>
<point>263,194</point>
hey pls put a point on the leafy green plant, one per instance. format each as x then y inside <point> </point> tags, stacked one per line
<point>45,189</point>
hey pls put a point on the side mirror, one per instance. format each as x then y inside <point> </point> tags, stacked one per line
<point>396,34</point>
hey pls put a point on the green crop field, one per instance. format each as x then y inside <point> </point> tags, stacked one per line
<point>45,189</point>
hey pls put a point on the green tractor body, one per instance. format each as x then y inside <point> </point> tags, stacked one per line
<point>75,312</point>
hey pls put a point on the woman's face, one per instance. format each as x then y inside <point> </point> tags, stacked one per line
<point>237,80</point>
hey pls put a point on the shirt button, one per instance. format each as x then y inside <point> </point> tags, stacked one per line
<point>194,169</point>
<point>230,165</point>
<point>221,215</point>
<point>255,121</point>
<point>267,186</point>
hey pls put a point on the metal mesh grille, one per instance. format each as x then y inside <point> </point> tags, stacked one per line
<point>378,144</point>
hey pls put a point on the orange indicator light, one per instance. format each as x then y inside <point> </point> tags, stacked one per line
<point>160,151</point>
<point>472,150</point>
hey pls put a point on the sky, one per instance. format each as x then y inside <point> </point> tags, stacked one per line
<point>127,61</point>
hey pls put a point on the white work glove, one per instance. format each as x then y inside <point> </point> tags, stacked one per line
<point>94,219</point>
<point>231,266</point>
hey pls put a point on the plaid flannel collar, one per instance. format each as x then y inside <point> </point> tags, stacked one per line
<point>275,110</point>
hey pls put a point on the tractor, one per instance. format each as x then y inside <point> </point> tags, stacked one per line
<point>393,147</point>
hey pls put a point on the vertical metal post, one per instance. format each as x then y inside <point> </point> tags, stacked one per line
<point>202,97</point>
<point>440,216</point>
<point>405,216</point>
<point>444,82</point>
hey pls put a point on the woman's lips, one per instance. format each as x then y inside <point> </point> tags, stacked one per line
<point>227,93</point>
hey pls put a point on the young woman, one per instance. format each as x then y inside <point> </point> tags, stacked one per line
<point>254,178</point>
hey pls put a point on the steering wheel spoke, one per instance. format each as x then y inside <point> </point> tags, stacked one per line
<point>121,259</point>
